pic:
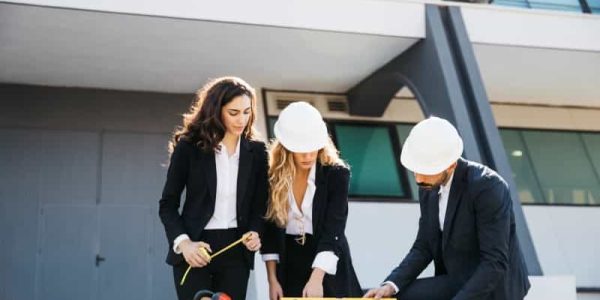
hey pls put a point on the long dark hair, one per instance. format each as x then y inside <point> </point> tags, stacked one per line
<point>202,125</point>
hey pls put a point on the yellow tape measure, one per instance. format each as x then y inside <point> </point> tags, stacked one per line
<point>204,253</point>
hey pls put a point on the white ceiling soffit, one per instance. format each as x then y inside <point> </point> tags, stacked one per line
<point>64,47</point>
<point>402,19</point>
<point>506,26</point>
<point>536,56</point>
<point>540,76</point>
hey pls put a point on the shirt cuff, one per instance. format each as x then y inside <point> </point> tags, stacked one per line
<point>178,240</point>
<point>393,285</point>
<point>270,256</point>
<point>326,261</point>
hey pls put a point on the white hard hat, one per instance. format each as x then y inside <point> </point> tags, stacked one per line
<point>300,128</point>
<point>431,147</point>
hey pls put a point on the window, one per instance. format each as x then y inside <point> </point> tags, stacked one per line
<point>513,3</point>
<point>594,6</point>
<point>369,151</point>
<point>563,5</point>
<point>549,166</point>
<point>520,162</point>
<point>403,131</point>
<point>555,167</point>
<point>270,124</point>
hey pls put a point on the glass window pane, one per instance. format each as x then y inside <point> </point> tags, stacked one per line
<point>564,5</point>
<point>513,3</point>
<point>369,152</point>
<point>403,131</point>
<point>270,123</point>
<point>594,6</point>
<point>563,167</point>
<point>520,163</point>
<point>592,144</point>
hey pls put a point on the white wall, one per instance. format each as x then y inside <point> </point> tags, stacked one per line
<point>567,241</point>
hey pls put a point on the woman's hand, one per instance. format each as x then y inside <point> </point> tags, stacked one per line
<point>314,286</point>
<point>275,290</point>
<point>252,241</point>
<point>193,255</point>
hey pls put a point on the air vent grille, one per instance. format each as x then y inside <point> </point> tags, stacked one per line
<point>336,105</point>
<point>283,103</point>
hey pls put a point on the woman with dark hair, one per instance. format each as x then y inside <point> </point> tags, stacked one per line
<point>305,248</point>
<point>215,158</point>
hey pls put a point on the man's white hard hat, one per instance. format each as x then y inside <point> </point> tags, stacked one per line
<point>432,146</point>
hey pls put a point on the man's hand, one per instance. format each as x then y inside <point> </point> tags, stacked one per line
<point>192,254</point>
<point>385,290</point>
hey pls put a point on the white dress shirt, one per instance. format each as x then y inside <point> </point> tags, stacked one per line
<point>444,193</point>
<point>225,215</point>
<point>300,221</point>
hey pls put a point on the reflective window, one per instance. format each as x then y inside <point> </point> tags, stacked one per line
<point>520,163</point>
<point>549,167</point>
<point>369,151</point>
<point>563,5</point>
<point>562,163</point>
<point>513,3</point>
<point>403,131</point>
<point>594,6</point>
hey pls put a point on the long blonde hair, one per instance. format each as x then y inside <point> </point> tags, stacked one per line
<point>281,176</point>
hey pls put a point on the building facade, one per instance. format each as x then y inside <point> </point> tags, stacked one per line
<point>91,91</point>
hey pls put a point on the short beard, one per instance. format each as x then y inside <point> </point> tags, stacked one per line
<point>427,186</point>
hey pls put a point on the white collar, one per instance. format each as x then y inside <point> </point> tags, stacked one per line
<point>236,154</point>
<point>308,194</point>
<point>446,188</point>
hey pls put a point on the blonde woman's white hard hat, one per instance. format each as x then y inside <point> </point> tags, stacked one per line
<point>300,128</point>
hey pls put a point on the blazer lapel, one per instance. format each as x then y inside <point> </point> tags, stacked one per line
<point>456,191</point>
<point>244,169</point>
<point>320,195</point>
<point>433,210</point>
<point>211,175</point>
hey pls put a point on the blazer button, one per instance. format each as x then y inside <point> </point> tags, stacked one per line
<point>336,238</point>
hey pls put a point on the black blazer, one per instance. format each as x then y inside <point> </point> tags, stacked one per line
<point>329,215</point>
<point>195,170</point>
<point>479,247</point>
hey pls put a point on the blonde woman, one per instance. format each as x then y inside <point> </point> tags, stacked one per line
<point>304,246</point>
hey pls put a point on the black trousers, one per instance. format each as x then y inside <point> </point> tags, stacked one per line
<point>441,287</point>
<point>298,267</point>
<point>226,273</point>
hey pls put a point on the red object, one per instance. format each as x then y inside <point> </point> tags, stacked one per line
<point>221,296</point>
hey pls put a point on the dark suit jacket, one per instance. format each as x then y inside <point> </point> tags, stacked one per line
<point>480,251</point>
<point>195,170</point>
<point>329,213</point>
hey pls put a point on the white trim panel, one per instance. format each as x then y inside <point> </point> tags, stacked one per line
<point>532,28</point>
<point>402,19</point>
